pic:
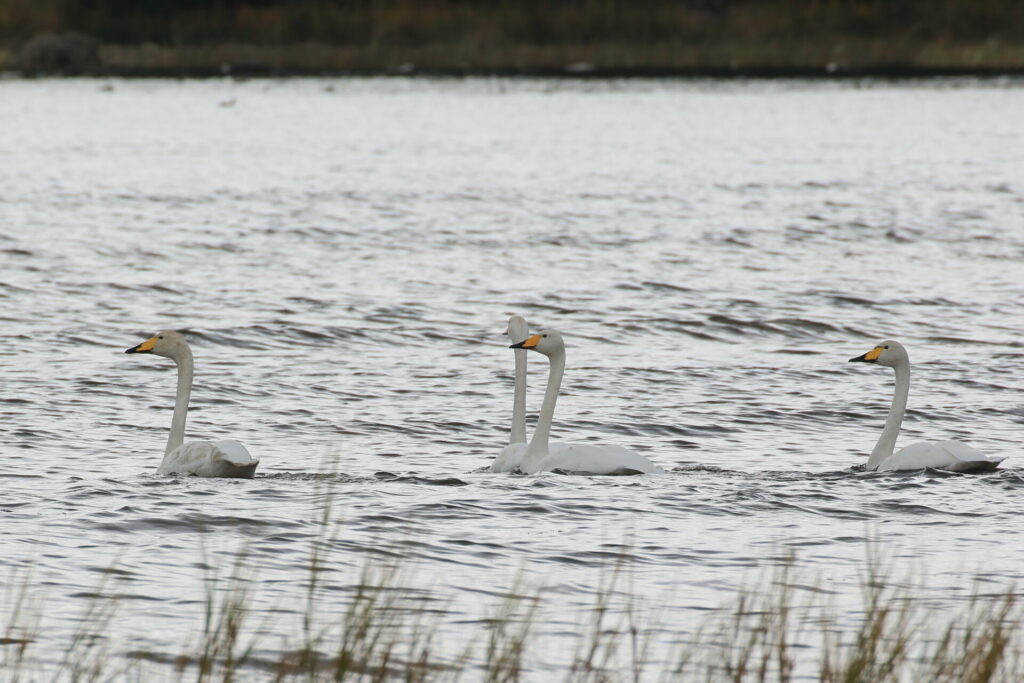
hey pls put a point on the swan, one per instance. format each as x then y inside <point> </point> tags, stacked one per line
<point>201,458</point>
<point>954,456</point>
<point>570,457</point>
<point>511,456</point>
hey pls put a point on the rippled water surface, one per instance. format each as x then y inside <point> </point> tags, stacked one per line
<point>344,256</point>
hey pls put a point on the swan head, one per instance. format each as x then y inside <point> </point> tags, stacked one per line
<point>889,353</point>
<point>169,344</point>
<point>517,329</point>
<point>548,342</point>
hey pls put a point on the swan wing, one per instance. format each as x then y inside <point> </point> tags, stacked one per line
<point>235,453</point>
<point>210,459</point>
<point>593,459</point>
<point>510,458</point>
<point>954,456</point>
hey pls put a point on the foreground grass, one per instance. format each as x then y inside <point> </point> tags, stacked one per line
<point>780,628</point>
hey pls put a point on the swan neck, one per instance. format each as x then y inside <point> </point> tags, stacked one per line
<point>538,447</point>
<point>177,436</point>
<point>887,441</point>
<point>518,434</point>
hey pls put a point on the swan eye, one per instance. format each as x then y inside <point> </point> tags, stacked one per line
<point>885,347</point>
<point>162,336</point>
<point>544,335</point>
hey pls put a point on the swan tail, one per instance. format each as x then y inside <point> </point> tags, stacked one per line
<point>234,453</point>
<point>236,460</point>
<point>974,466</point>
<point>510,459</point>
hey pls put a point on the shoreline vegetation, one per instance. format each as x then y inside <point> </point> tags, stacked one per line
<point>576,38</point>
<point>377,622</point>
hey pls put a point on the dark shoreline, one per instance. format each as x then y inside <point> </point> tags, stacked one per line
<point>256,71</point>
<point>718,39</point>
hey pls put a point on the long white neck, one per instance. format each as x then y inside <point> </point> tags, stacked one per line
<point>519,400</point>
<point>887,441</point>
<point>177,435</point>
<point>538,447</point>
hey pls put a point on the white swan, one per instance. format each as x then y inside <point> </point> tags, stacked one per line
<point>201,458</point>
<point>943,455</point>
<point>570,457</point>
<point>511,456</point>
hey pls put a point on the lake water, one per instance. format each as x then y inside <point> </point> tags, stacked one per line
<point>344,255</point>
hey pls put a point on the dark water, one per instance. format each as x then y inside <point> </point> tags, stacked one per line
<point>344,256</point>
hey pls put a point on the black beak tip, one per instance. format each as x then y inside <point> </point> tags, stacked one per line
<point>134,349</point>
<point>860,359</point>
<point>516,346</point>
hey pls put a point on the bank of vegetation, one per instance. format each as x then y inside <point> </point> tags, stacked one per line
<point>596,37</point>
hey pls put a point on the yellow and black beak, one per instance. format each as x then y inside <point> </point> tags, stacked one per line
<point>869,357</point>
<point>144,347</point>
<point>527,343</point>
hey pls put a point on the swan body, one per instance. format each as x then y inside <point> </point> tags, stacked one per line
<point>200,458</point>
<point>511,456</point>
<point>954,456</point>
<point>210,459</point>
<point>539,456</point>
<point>593,459</point>
<point>572,457</point>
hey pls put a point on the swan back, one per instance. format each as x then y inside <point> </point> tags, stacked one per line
<point>592,459</point>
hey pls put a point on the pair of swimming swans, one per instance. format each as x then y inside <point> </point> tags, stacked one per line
<point>202,458</point>
<point>539,455</point>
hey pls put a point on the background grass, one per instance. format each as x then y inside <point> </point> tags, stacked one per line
<point>530,35</point>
